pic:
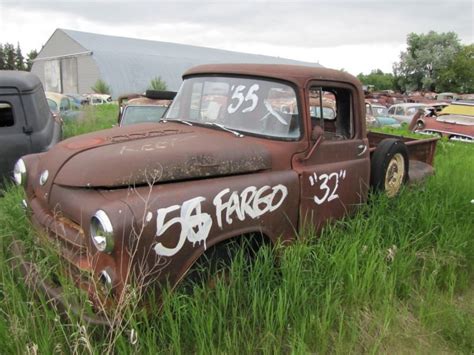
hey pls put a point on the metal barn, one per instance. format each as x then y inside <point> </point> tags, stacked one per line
<point>72,62</point>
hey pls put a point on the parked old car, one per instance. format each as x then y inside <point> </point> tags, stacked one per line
<point>242,153</point>
<point>63,106</point>
<point>403,113</point>
<point>79,99</point>
<point>26,123</point>
<point>151,107</point>
<point>455,122</point>
<point>447,96</point>
<point>377,116</point>
<point>98,99</point>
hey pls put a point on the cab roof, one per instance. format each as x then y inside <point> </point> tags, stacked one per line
<point>21,80</point>
<point>297,74</point>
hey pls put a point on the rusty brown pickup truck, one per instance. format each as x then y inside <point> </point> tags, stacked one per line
<point>243,150</point>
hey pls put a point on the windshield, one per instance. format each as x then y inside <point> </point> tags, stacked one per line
<point>379,111</point>
<point>261,107</point>
<point>140,114</point>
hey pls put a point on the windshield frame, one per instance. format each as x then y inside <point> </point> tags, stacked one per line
<point>293,86</point>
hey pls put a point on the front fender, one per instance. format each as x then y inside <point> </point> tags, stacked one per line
<point>179,221</point>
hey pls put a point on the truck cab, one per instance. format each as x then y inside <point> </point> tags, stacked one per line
<point>26,122</point>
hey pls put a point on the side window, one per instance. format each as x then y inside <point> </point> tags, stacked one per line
<point>391,111</point>
<point>399,111</point>
<point>64,104</point>
<point>6,115</point>
<point>411,111</point>
<point>331,109</point>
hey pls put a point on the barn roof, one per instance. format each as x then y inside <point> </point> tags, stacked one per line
<point>130,64</point>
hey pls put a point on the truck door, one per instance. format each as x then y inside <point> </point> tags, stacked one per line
<point>336,171</point>
<point>13,141</point>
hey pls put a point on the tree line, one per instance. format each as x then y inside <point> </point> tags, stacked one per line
<point>12,58</point>
<point>432,62</point>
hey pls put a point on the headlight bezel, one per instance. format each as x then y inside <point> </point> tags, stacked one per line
<point>102,232</point>
<point>20,173</point>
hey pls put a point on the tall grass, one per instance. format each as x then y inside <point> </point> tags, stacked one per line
<point>93,118</point>
<point>395,278</point>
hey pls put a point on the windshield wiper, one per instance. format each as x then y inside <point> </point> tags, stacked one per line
<point>235,133</point>
<point>176,120</point>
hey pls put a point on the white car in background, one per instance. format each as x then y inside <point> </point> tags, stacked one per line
<point>403,113</point>
<point>98,99</point>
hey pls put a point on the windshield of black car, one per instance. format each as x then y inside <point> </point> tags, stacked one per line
<point>141,114</point>
<point>247,105</point>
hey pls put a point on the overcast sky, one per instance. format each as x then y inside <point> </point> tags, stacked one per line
<point>355,35</point>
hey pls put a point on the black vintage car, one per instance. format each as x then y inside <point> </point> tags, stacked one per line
<point>27,125</point>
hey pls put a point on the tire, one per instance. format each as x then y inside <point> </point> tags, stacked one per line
<point>389,167</point>
<point>160,95</point>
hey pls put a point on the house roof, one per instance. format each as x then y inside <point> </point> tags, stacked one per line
<point>130,64</point>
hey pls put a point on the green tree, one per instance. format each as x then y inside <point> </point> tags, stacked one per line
<point>2,57</point>
<point>29,59</point>
<point>380,80</point>
<point>10,62</point>
<point>158,84</point>
<point>101,87</point>
<point>426,56</point>
<point>19,59</point>
<point>459,75</point>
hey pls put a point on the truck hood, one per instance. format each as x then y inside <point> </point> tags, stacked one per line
<point>148,153</point>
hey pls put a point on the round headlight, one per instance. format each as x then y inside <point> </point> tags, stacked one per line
<point>102,233</point>
<point>19,172</point>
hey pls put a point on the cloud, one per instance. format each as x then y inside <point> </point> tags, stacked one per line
<point>293,23</point>
<point>340,33</point>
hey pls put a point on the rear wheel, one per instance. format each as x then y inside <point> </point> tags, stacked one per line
<point>389,167</point>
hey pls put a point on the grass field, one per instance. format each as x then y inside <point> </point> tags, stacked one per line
<point>95,118</point>
<point>396,278</point>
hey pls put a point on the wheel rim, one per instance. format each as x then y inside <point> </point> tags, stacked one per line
<point>394,175</point>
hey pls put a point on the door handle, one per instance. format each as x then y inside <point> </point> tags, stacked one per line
<point>362,148</point>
